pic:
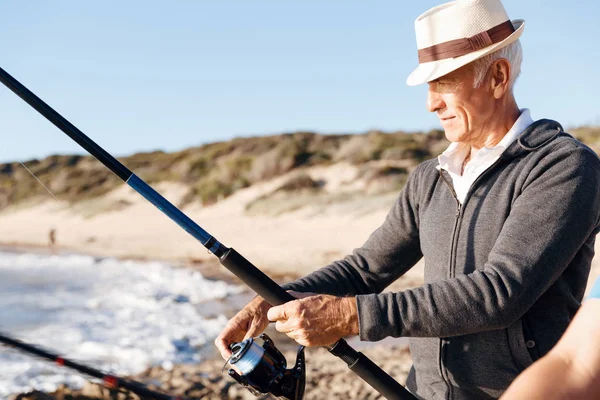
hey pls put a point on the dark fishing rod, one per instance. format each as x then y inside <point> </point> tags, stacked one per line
<point>108,380</point>
<point>228,257</point>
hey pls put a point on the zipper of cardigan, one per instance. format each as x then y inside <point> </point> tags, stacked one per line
<point>459,208</point>
<point>453,244</point>
<point>458,205</point>
<point>456,225</point>
<point>480,177</point>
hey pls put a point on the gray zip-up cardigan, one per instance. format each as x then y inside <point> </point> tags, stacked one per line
<point>504,273</point>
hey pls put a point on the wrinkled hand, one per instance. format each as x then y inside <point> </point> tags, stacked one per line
<point>318,320</point>
<point>251,321</point>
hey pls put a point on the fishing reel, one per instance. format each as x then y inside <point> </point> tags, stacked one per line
<point>263,369</point>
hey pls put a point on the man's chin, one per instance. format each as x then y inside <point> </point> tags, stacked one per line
<point>452,135</point>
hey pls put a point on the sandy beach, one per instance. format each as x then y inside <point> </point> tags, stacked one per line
<point>294,242</point>
<point>289,244</point>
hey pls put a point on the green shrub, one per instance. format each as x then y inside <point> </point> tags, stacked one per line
<point>299,182</point>
<point>216,170</point>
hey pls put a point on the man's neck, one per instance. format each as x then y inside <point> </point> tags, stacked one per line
<point>498,128</point>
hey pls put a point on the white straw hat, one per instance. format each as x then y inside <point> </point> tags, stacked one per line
<point>456,33</point>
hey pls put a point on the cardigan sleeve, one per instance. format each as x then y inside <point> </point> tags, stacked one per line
<point>550,221</point>
<point>388,253</point>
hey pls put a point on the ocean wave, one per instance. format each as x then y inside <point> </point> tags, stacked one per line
<point>119,316</point>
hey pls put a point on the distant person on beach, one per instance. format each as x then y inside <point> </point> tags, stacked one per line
<point>505,220</point>
<point>52,238</point>
<point>571,370</point>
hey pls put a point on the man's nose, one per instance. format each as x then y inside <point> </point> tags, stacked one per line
<point>434,101</point>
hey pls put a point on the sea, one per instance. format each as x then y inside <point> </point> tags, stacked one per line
<point>115,315</point>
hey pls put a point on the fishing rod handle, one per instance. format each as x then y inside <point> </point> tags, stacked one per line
<point>258,281</point>
<point>276,295</point>
<point>370,372</point>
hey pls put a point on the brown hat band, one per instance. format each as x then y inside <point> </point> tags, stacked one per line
<point>460,47</point>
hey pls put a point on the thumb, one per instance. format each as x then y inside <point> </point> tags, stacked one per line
<point>277,313</point>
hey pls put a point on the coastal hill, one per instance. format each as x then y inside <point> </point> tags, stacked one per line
<point>215,171</point>
<point>289,202</point>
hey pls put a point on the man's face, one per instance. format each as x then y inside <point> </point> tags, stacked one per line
<point>462,109</point>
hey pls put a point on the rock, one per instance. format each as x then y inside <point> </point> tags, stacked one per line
<point>93,390</point>
<point>326,378</point>
<point>35,395</point>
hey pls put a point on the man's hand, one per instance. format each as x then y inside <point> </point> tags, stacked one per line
<point>251,321</point>
<point>318,320</point>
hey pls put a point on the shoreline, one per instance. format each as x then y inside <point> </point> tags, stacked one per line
<point>206,374</point>
<point>209,268</point>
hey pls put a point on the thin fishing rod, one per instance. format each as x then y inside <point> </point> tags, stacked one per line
<point>108,380</point>
<point>228,257</point>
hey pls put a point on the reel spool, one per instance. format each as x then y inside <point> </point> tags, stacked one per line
<point>263,369</point>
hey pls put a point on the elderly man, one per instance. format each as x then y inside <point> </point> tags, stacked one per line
<point>505,220</point>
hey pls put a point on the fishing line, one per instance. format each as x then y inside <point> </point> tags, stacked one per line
<point>36,178</point>
<point>253,355</point>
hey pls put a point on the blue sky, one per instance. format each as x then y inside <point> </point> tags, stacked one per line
<point>146,75</point>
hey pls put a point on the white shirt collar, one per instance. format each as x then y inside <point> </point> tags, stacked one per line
<point>452,158</point>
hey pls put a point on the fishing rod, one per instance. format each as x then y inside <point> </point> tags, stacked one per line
<point>228,257</point>
<point>108,380</point>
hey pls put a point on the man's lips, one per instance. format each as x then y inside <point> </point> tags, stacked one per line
<point>446,119</point>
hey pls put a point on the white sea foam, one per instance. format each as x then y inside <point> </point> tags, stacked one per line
<point>119,316</point>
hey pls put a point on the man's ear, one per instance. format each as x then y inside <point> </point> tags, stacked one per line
<point>500,77</point>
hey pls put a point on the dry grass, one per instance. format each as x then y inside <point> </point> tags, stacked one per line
<point>217,170</point>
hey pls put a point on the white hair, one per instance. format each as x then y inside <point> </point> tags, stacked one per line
<point>513,53</point>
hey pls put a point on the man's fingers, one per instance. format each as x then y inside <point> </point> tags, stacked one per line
<point>277,313</point>
<point>223,347</point>
<point>226,354</point>
<point>249,322</point>
<point>253,330</point>
<point>231,333</point>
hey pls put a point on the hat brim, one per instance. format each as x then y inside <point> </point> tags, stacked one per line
<point>427,72</point>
